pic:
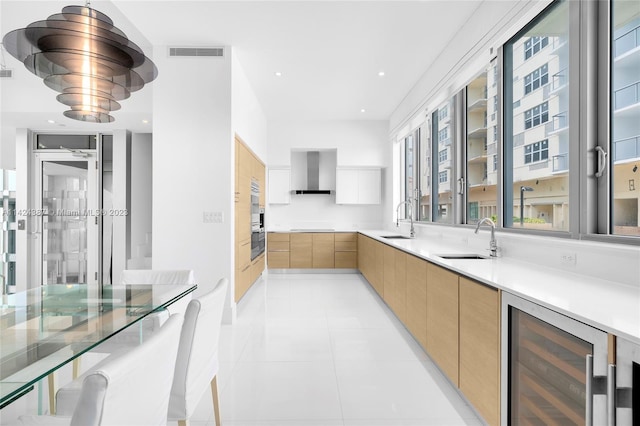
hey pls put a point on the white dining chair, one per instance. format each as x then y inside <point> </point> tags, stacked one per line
<point>129,388</point>
<point>197,364</point>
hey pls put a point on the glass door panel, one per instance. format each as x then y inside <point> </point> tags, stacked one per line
<point>625,117</point>
<point>65,211</point>
<point>548,373</point>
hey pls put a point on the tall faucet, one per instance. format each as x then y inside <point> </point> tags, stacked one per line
<point>493,245</point>
<point>412,232</point>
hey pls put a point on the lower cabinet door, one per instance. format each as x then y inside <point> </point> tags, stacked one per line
<point>480,348</point>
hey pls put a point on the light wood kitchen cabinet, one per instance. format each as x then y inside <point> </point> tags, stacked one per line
<point>247,167</point>
<point>301,250</point>
<point>442,319</point>
<point>262,181</point>
<point>323,250</point>
<point>480,348</point>
<point>395,281</point>
<point>378,268</point>
<point>417,299</point>
<point>346,250</point>
<point>278,250</point>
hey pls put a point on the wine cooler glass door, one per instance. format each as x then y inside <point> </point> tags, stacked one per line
<point>556,368</point>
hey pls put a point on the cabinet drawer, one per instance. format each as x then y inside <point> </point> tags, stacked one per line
<point>278,246</point>
<point>350,237</point>
<point>277,236</point>
<point>278,260</point>
<point>346,259</point>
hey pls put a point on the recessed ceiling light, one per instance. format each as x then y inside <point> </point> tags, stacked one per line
<point>278,74</point>
<point>51,121</point>
<point>145,121</point>
<point>363,110</point>
<point>381,74</point>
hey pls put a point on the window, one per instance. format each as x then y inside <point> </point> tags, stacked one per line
<point>537,151</point>
<point>443,113</point>
<point>536,115</point>
<point>532,186</point>
<point>533,45</point>
<point>443,135</point>
<point>536,79</point>
<point>481,190</point>
<point>442,156</point>
<point>442,205</point>
<point>625,121</point>
<point>495,162</point>
<point>495,133</point>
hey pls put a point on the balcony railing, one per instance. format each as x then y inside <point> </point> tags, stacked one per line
<point>625,149</point>
<point>559,121</point>
<point>627,96</point>
<point>559,80</point>
<point>560,162</point>
<point>626,42</point>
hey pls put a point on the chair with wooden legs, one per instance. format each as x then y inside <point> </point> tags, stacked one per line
<point>197,363</point>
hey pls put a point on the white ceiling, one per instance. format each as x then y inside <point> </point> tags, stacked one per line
<point>329,52</point>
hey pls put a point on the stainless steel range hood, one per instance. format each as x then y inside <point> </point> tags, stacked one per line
<point>313,176</point>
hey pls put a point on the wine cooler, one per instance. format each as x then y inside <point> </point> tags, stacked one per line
<point>554,368</point>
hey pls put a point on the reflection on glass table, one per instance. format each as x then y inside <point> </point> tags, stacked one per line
<point>44,328</point>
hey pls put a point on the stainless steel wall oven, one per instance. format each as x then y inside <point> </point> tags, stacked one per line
<point>257,222</point>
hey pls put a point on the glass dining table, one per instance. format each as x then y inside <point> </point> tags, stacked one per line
<point>44,328</point>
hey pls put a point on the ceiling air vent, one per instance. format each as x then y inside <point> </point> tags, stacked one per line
<point>197,51</point>
<point>6,73</point>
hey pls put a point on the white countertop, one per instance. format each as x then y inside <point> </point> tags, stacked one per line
<point>610,306</point>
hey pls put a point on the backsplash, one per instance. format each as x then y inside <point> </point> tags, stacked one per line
<point>613,262</point>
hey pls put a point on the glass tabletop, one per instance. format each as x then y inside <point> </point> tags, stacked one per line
<point>44,328</point>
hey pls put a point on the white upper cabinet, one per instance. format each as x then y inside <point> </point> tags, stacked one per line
<point>356,185</point>
<point>279,185</point>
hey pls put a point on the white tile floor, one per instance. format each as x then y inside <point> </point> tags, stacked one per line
<point>320,350</point>
<point>311,349</point>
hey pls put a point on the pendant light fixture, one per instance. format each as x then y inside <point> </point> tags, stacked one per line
<point>83,56</point>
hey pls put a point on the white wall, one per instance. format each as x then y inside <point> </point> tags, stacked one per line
<point>192,166</point>
<point>358,143</point>
<point>141,193</point>
<point>247,117</point>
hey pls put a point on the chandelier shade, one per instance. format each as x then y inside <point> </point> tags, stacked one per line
<point>83,56</point>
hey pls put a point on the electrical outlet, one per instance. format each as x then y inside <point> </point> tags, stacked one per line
<point>568,258</point>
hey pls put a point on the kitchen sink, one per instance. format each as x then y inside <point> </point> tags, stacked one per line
<point>396,237</point>
<point>462,256</point>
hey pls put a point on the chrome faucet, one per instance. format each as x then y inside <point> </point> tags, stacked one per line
<point>493,245</point>
<point>412,232</point>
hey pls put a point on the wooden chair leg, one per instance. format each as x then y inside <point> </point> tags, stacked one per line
<point>216,401</point>
<point>76,368</point>
<point>51,378</point>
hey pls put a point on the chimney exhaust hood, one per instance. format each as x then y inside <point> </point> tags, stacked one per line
<point>313,176</point>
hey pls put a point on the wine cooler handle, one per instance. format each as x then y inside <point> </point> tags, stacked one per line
<point>588,415</point>
<point>611,395</point>
<point>594,386</point>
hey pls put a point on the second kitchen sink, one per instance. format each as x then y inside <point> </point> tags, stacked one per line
<point>462,256</point>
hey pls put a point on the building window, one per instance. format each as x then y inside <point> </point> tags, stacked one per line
<point>443,113</point>
<point>536,79</point>
<point>442,177</point>
<point>533,45</point>
<point>527,160</point>
<point>443,135</point>
<point>537,151</point>
<point>442,156</point>
<point>495,162</point>
<point>495,133</point>
<point>536,115</point>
